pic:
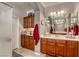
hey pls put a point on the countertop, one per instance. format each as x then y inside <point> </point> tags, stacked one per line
<point>60,37</point>
<point>27,34</point>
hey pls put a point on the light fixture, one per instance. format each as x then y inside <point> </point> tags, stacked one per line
<point>62,12</point>
<point>58,12</point>
<point>51,14</point>
<point>54,13</point>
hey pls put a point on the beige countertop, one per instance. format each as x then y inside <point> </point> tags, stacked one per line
<point>60,37</point>
<point>27,34</point>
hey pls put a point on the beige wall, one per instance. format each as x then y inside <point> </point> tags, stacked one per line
<point>68,7</point>
<point>17,26</point>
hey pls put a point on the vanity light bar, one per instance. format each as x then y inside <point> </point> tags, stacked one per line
<point>57,13</point>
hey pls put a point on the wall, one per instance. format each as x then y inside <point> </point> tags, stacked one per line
<point>42,17</point>
<point>39,15</point>
<point>15,34</point>
<point>15,31</point>
<point>67,6</point>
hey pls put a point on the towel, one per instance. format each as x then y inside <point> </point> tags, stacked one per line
<point>75,29</point>
<point>69,29</point>
<point>36,34</point>
<point>51,29</point>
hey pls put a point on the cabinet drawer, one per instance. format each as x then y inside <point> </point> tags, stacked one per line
<point>61,45</point>
<point>72,43</point>
<point>43,42</point>
<point>61,41</point>
<point>51,42</point>
<point>43,39</point>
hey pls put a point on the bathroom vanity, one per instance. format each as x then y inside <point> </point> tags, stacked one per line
<point>60,39</point>
<point>59,46</point>
<point>27,42</point>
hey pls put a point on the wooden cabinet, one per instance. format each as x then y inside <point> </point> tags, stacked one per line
<point>51,47</point>
<point>43,45</point>
<point>22,40</point>
<point>27,42</point>
<point>31,43</point>
<point>25,22</point>
<point>72,48</point>
<point>32,22</point>
<point>58,47</point>
<point>29,21</point>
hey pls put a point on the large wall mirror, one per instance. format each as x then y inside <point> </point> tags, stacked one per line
<point>61,22</point>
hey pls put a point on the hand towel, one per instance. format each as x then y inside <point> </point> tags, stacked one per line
<point>36,34</point>
<point>75,29</point>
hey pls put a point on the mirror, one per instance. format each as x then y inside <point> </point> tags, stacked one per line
<point>74,18</point>
<point>60,24</point>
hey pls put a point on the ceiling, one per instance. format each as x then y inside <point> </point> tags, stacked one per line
<point>49,4</point>
<point>33,5</point>
<point>29,4</point>
<point>19,4</point>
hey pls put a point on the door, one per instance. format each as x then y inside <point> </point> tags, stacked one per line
<point>5,30</point>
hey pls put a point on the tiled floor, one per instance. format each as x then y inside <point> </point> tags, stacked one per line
<point>27,53</point>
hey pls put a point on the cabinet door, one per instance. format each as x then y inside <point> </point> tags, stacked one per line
<point>25,22</point>
<point>32,21</point>
<point>60,48</point>
<point>51,47</point>
<point>72,48</point>
<point>32,43</point>
<point>22,40</point>
<point>29,22</point>
<point>27,42</point>
<point>43,45</point>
